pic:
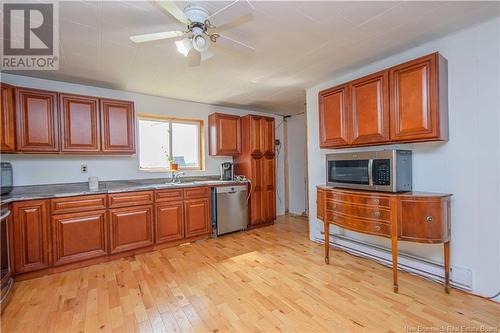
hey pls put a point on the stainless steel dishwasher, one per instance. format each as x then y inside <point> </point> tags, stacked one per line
<point>229,209</point>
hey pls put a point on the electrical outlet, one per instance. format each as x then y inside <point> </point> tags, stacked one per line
<point>83,167</point>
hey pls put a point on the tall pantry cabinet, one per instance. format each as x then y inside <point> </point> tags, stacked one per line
<point>257,161</point>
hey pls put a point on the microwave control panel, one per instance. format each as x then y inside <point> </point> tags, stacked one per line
<point>382,172</point>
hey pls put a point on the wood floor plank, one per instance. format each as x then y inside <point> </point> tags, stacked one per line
<point>271,279</point>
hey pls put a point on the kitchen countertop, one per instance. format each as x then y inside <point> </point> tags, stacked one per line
<point>33,192</point>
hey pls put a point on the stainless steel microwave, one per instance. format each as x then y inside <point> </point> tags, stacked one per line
<point>381,170</point>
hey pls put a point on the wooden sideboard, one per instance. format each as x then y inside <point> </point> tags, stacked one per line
<point>409,216</point>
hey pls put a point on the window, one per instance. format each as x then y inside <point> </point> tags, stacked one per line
<point>162,137</point>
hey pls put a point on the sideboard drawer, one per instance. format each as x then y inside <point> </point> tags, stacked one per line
<point>361,199</point>
<point>423,220</point>
<point>364,211</point>
<point>127,199</point>
<point>78,204</point>
<point>367,227</point>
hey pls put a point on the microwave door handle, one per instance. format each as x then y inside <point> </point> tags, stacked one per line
<point>370,172</point>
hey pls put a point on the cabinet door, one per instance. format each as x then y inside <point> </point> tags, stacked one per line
<point>370,109</point>
<point>31,236</point>
<point>79,123</point>
<point>225,134</point>
<point>267,135</point>
<point>255,135</point>
<point>416,103</point>
<point>268,189</point>
<point>256,197</point>
<point>169,222</point>
<point>79,236</point>
<point>334,117</point>
<point>7,136</point>
<point>117,126</point>
<point>37,126</point>
<point>197,221</point>
<point>131,228</point>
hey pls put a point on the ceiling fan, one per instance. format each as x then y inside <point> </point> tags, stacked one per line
<point>194,42</point>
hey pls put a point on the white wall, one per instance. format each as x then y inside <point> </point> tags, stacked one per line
<point>467,166</point>
<point>297,163</point>
<point>49,169</point>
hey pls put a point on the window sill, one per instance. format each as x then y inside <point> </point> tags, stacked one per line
<point>169,170</point>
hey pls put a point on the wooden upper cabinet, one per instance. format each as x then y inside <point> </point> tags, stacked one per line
<point>334,117</point>
<point>405,103</point>
<point>79,123</point>
<point>419,102</point>
<point>255,136</point>
<point>7,136</point>
<point>31,236</point>
<point>225,134</point>
<point>37,126</point>
<point>369,109</point>
<point>117,126</point>
<point>267,135</point>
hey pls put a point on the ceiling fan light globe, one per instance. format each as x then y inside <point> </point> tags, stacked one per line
<point>184,46</point>
<point>200,43</point>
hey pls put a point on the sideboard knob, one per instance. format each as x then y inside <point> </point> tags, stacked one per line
<point>376,213</point>
<point>335,218</point>
<point>377,227</point>
<point>376,201</point>
<point>429,219</point>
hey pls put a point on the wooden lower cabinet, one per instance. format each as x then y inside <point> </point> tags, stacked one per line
<point>79,236</point>
<point>31,236</point>
<point>130,228</point>
<point>197,217</point>
<point>169,222</point>
<point>409,216</point>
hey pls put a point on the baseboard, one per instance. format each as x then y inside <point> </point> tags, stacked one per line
<point>414,265</point>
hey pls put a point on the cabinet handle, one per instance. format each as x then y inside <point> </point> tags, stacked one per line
<point>376,213</point>
<point>429,219</point>
<point>376,201</point>
<point>377,227</point>
<point>335,218</point>
<point>334,206</point>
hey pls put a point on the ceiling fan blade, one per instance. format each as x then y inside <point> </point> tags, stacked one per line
<point>228,42</point>
<point>235,23</point>
<point>156,36</point>
<point>173,10</point>
<point>194,58</point>
<point>231,12</point>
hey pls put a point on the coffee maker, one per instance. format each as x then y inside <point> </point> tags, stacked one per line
<point>226,171</point>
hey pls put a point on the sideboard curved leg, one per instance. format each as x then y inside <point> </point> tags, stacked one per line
<point>394,249</point>
<point>447,267</point>
<point>327,243</point>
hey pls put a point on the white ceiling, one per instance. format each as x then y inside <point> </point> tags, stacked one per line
<point>298,44</point>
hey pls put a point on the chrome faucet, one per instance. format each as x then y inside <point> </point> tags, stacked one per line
<point>176,176</point>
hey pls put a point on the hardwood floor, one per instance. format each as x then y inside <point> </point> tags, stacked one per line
<point>269,279</point>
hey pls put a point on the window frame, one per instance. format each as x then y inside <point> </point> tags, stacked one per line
<point>170,119</point>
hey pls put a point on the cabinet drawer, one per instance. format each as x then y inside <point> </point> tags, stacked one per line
<point>361,199</point>
<point>196,192</point>
<point>130,199</point>
<point>369,212</point>
<point>424,220</point>
<point>367,227</point>
<point>169,195</point>
<point>78,204</point>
